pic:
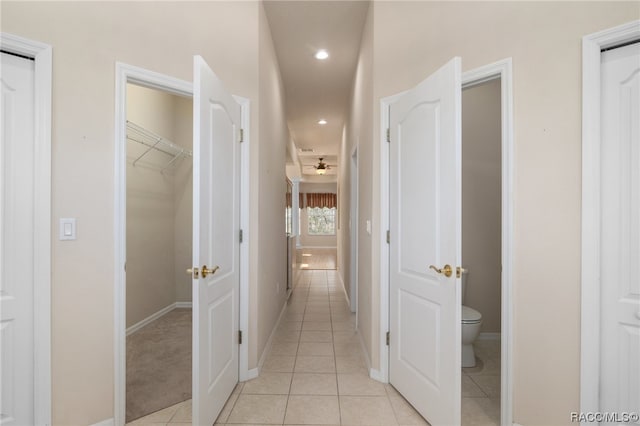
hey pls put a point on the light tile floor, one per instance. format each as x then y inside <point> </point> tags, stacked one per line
<point>481,386</point>
<point>315,374</point>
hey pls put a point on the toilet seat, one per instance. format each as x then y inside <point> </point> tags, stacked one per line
<point>470,315</point>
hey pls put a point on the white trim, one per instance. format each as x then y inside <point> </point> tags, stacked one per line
<point>353,231</point>
<point>154,316</point>
<point>245,174</point>
<point>131,74</point>
<point>590,269</point>
<point>344,290</point>
<point>251,374</point>
<point>383,373</point>
<point>503,70</point>
<point>106,422</point>
<point>184,305</point>
<point>42,55</point>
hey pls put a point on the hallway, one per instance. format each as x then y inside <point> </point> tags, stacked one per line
<point>315,373</point>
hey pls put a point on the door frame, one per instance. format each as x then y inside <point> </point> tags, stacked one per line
<point>131,74</point>
<point>42,55</point>
<point>353,229</point>
<point>592,45</point>
<point>502,70</point>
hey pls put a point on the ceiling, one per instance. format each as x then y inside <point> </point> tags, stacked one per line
<point>316,89</point>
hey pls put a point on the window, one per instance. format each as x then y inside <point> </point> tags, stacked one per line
<point>322,220</point>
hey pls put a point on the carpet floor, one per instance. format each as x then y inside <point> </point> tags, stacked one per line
<point>159,364</point>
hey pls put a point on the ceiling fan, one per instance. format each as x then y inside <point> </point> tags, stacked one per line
<point>322,167</point>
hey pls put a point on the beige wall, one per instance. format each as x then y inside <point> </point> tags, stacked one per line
<point>183,202</point>
<point>481,195</point>
<point>359,133</point>
<point>413,39</point>
<point>274,135</point>
<point>158,206</point>
<point>87,40</point>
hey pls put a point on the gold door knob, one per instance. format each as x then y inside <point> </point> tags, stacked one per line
<point>447,270</point>
<point>193,272</point>
<point>206,271</point>
<point>459,271</point>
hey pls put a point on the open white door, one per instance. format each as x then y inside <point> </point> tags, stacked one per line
<point>216,251</point>
<point>17,209</point>
<point>425,230</point>
<point>620,233</point>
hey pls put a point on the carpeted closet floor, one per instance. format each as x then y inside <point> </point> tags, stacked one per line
<point>159,364</point>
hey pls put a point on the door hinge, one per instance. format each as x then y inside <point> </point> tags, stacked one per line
<point>388,237</point>
<point>388,338</point>
<point>239,337</point>
<point>241,236</point>
<point>388,135</point>
<point>241,135</point>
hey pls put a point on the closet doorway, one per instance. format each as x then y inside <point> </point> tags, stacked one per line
<point>159,215</point>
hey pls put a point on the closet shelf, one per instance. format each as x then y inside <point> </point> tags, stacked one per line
<point>154,142</point>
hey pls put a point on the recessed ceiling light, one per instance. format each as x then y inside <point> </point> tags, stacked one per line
<point>322,122</point>
<point>322,54</point>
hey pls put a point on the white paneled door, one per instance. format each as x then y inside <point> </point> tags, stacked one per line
<point>216,251</point>
<point>620,232</point>
<point>425,245</point>
<point>17,241</point>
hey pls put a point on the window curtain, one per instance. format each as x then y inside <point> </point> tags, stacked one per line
<point>300,200</point>
<point>317,199</point>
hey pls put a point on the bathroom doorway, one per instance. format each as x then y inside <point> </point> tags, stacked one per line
<point>159,204</point>
<point>481,252</point>
<point>450,86</point>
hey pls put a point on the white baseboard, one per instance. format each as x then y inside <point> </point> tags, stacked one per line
<point>376,375</point>
<point>137,326</point>
<point>344,290</point>
<point>252,374</point>
<point>107,422</point>
<point>489,336</point>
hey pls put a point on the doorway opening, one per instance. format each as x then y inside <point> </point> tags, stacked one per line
<point>481,252</point>
<point>500,71</point>
<point>204,403</point>
<point>159,215</point>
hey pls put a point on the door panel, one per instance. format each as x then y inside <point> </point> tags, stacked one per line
<point>425,226</point>
<point>215,244</point>
<point>620,233</point>
<point>16,240</point>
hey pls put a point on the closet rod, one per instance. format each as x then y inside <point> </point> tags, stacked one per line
<point>152,141</point>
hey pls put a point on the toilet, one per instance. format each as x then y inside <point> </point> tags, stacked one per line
<point>471,322</point>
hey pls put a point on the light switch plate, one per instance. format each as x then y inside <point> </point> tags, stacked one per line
<point>369,227</point>
<point>67,228</point>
